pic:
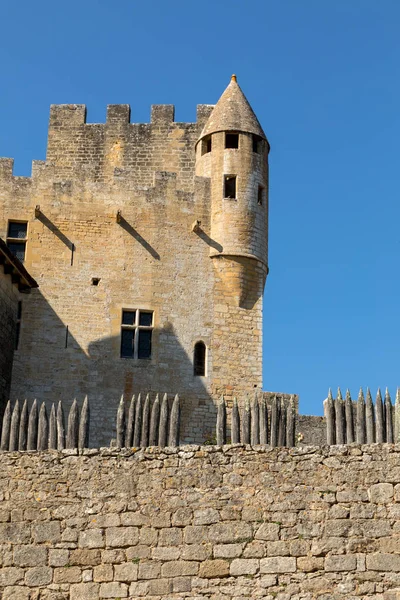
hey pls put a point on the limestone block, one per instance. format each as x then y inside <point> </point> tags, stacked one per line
<point>278,564</point>
<point>381,493</point>
<point>38,576</point>
<point>17,593</point>
<point>149,570</point>
<point>196,551</point>
<point>214,568</point>
<point>58,557</point>
<point>206,516</point>
<point>91,538</point>
<point>85,557</point>
<point>179,568</point>
<point>228,550</point>
<point>30,556</point>
<point>10,576</point>
<point>85,591</point>
<point>103,573</point>
<point>48,531</point>
<point>170,537</point>
<point>225,533</point>
<point>166,553</point>
<point>340,563</point>
<point>67,575</point>
<point>383,562</point>
<point>113,590</point>
<point>15,533</point>
<point>243,566</point>
<point>119,537</point>
<point>268,531</point>
<point>126,572</point>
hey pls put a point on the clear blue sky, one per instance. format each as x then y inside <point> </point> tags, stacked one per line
<point>323,78</point>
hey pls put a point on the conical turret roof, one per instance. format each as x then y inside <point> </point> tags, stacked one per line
<point>233,113</point>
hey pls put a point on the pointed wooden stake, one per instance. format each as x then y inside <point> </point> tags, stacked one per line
<point>282,424</point>
<point>163,429</point>
<point>235,423</point>
<point>329,411</point>
<point>245,422</point>
<point>173,438</point>
<point>274,422</point>
<point>130,425</point>
<point>5,430</point>
<point>53,428</point>
<point>43,429</point>
<point>339,418</point>
<point>349,419</point>
<point>60,427</point>
<point>73,426</point>
<point>23,427</point>
<point>14,429</point>
<point>263,419</point>
<point>144,438</point>
<point>290,423</point>
<point>369,419</point>
<point>360,422</point>
<point>138,422</point>
<point>389,418</point>
<point>154,422</point>
<point>83,438</point>
<point>255,422</point>
<point>121,423</point>
<point>32,427</point>
<point>221,422</point>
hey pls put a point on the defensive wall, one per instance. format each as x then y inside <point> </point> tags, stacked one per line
<point>220,523</point>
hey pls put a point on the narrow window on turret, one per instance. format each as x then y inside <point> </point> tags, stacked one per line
<point>256,144</point>
<point>206,145</point>
<point>231,140</point>
<point>260,196</point>
<point>230,186</point>
<point>199,359</point>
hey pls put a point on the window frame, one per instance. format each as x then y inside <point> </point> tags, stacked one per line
<point>136,328</point>
<point>19,240</point>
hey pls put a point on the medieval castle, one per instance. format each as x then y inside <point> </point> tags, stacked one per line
<point>146,249</point>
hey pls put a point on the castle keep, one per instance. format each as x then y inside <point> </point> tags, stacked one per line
<point>149,245</point>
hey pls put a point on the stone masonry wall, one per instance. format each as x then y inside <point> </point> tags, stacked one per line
<point>8,314</point>
<point>202,523</point>
<point>150,258</point>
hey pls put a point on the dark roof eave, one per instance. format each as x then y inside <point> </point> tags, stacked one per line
<point>14,267</point>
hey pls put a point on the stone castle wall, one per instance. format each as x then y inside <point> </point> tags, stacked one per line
<point>149,258</point>
<point>202,522</point>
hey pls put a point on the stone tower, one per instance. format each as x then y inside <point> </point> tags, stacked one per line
<point>149,245</point>
<point>232,151</point>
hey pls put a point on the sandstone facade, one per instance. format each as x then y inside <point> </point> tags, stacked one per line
<point>123,217</point>
<point>202,522</point>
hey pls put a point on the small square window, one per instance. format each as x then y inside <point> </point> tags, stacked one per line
<point>206,145</point>
<point>136,333</point>
<point>230,186</point>
<point>231,140</point>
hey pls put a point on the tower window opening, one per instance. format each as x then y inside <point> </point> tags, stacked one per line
<point>230,186</point>
<point>256,144</point>
<point>199,359</point>
<point>260,195</point>
<point>17,237</point>
<point>231,140</point>
<point>206,145</point>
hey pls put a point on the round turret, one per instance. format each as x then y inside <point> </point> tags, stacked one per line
<point>232,151</point>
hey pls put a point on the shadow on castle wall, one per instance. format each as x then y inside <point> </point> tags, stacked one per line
<point>52,365</point>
